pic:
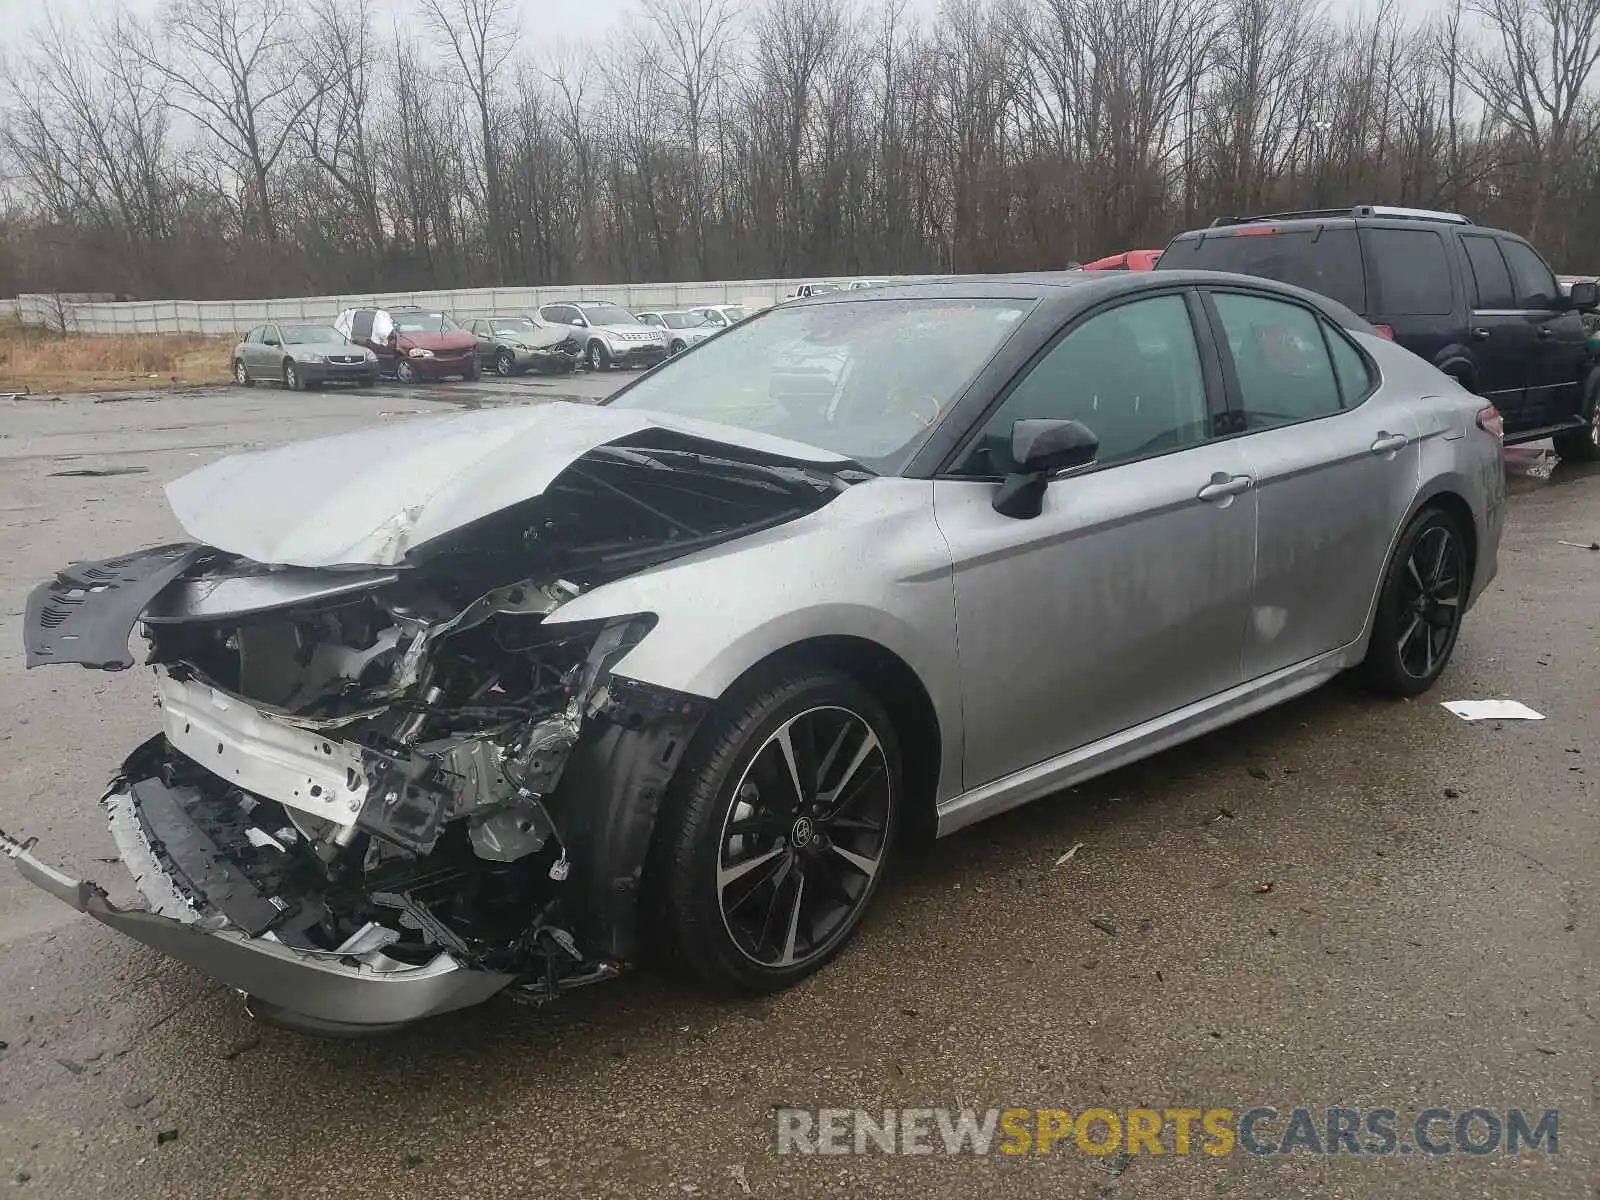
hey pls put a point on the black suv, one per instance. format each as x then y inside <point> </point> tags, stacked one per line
<point>1479,304</point>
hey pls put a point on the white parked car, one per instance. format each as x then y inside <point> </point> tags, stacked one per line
<point>681,329</point>
<point>610,334</point>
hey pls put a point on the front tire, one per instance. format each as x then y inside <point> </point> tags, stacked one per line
<point>598,357</point>
<point>404,372</point>
<point>292,378</point>
<point>778,828</point>
<point>1583,445</point>
<point>676,348</point>
<point>1420,608</point>
<point>505,365</point>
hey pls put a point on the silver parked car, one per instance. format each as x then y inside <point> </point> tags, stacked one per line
<point>301,355</point>
<point>498,699</point>
<point>681,329</point>
<point>720,315</point>
<point>610,334</point>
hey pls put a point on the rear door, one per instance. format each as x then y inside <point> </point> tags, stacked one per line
<point>1412,288</point>
<point>250,352</point>
<point>1336,466</point>
<point>1554,381</point>
<point>1505,345</point>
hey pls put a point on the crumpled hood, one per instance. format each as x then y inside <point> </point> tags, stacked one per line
<point>444,340</point>
<point>371,496</point>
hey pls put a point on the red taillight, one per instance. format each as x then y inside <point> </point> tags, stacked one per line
<point>1385,331</point>
<point>1492,423</point>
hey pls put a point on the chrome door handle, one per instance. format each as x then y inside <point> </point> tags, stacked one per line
<point>1389,443</point>
<point>1223,486</point>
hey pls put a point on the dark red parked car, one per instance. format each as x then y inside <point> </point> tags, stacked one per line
<point>412,343</point>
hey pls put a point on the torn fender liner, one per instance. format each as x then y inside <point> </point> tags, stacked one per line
<point>608,801</point>
<point>85,614</point>
<point>371,496</point>
<point>325,992</point>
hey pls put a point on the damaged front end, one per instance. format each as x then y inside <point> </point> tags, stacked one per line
<point>385,792</point>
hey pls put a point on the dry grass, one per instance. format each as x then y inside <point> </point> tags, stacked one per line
<point>44,362</point>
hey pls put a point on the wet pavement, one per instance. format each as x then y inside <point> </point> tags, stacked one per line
<point>1343,902</point>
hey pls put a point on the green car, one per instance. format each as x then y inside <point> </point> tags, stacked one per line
<point>512,345</point>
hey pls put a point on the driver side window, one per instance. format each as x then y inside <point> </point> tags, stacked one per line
<point>1132,375</point>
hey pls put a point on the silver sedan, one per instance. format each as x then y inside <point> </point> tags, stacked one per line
<point>500,698</point>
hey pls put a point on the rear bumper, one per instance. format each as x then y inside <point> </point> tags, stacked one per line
<point>364,992</point>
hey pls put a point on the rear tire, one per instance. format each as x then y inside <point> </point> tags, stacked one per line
<point>1583,445</point>
<point>1420,607</point>
<point>241,374</point>
<point>777,829</point>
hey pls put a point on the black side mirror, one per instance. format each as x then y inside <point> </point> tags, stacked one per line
<point>1042,448</point>
<point>1585,297</point>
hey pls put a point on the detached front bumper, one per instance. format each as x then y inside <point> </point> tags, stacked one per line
<point>326,992</point>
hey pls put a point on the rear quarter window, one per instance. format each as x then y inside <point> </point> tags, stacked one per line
<point>1326,261</point>
<point>1411,273</point>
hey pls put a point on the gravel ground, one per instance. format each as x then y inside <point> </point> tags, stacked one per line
<point>1428,937</point>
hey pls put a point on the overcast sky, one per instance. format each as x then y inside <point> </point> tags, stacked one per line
<point>572,18</point>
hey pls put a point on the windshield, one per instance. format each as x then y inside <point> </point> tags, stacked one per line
<point>677,320</point>
<point>818,289</point>
<point>863,379</point>
<point>735,312</point>
<point>300,335</point>
<point>429,322</point>
<point>521,327</point>
<point>608,314</point>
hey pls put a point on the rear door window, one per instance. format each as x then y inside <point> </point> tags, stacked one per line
<point>1412,273</point>
<point>1326,261</point>
<point>1281,359</point>
<point>1489,274</point>
<point>1531,281</point>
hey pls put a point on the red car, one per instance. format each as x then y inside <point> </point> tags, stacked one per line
<point>412,343</point>
<point>1128,260</point>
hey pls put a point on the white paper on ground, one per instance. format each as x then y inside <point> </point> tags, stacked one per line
<point>1486,710</point>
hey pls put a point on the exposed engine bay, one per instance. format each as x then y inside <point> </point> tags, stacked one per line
<point>394,768</point>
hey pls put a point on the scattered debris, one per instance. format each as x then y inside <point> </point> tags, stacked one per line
<point>1104,925</point>
<point>136,1099</point>
<point>1223,814</point>
<point>1452,794</point>
<point>412,1160</point>
<point>1492,710</point>
<point>98,472</point>
<point>1546,1050</point>
<point>1112,1164</point>
<point>1146,925</point>
<point>1263,887</point>
<point>1259,773</point>
<point>4,1045</point>
<point>166,1135</point>
<point>736,1173</point>
<point>1579,545</point>
<point>1067,857</point>
<point>77,1068</point>
<point>21,1177</point>
<point>1540,464</point>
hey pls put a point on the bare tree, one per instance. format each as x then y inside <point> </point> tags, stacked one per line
<point>235,69</point>
<point>482,35</point>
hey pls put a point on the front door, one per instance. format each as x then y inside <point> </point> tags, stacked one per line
<point>1555,376</point>
<point>1126,598</point>
<point>1336,465</point>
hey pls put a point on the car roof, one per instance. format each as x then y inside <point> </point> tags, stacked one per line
<point>1074,289</point>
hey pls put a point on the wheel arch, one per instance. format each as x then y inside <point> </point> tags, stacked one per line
<point>1444,493</point>
<point>896,686</point>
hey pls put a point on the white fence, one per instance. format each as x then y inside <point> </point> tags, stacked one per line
<point>227,317</point>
